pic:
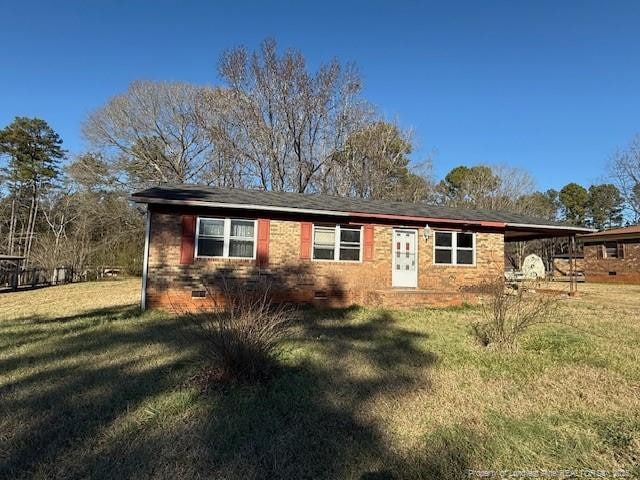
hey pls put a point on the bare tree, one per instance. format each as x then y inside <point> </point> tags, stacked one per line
<point>274,125</point>
<point>58,213</point>
<point>374,163</point>
<point>283,121</point>
<point>229,165</point>
<point>152,132</point>
<point>625,171</point>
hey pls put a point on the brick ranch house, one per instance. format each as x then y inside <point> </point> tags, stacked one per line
<point>612,255</point>
<point>321,249</point>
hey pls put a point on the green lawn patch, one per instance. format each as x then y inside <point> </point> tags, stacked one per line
<point>98,389</point>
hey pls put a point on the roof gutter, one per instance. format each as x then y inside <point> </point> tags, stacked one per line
<point>610,236</point>
<point>550,227</point>
<point>201,203</point>
<point>429,219</point>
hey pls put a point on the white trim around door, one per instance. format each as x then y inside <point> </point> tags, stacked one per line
<point>404,258</point>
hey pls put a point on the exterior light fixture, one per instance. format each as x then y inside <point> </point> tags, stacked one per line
<point>426,232</point>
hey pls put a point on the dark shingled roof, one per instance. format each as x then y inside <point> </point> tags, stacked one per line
<point>283,200</point>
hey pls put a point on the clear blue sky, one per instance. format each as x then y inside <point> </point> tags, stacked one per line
<point>549,86</point>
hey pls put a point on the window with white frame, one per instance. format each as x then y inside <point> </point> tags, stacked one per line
<point>225,237</point>
<point>454,248</point>
<point>337,243</point>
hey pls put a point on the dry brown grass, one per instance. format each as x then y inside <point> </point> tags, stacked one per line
<point>74,298</point>
<point>89,387</point>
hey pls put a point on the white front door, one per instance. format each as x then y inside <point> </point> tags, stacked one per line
<point>405,258</point>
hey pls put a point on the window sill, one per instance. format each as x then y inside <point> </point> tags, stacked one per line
<point>454,265</point>
<point>352,262</point>
<point>227,259</point>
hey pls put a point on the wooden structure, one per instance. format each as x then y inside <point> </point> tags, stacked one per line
<point>10,268</point>
<point>14,276</point>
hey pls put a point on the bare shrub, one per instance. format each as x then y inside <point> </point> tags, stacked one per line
<point>508,311</point>
<point>242,338</point>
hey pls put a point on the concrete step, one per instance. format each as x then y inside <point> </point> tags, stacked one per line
<point>415,298</point>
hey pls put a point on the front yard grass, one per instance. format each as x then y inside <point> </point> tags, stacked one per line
<point>90,387</point>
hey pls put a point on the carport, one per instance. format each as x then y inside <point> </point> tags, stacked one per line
<point>515,232</point>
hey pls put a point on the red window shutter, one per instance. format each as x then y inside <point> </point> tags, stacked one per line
<point>600,251</point>
<point>368,243</point>
<point>262,251</point>
<point>306,230</point>
<point>620,250</point>
<point>188,239</point>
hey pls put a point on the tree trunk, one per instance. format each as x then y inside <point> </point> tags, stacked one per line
<point>20,239</point>
<point>33,212</point>
<point>520,248</point>
<point>12,225</point>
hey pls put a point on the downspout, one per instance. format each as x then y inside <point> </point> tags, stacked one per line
<point>145,261</point>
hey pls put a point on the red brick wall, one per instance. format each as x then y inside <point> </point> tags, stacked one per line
<point>170,283</point>
<point>451,278</point>
<point>627,269</point>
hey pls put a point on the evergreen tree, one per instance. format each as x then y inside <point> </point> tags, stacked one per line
<point>34,151</point>
<point>574,201</point>
<point>605,206</point>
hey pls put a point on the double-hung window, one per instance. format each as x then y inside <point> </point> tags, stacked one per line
<point>225,237</point>
<point>454,248</point>
<point>611,249</point>
<point>337,243</point>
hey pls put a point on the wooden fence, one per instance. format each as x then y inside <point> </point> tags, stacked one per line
<point>13,279</point>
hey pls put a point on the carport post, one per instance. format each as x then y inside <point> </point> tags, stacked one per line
<point>573,283</point>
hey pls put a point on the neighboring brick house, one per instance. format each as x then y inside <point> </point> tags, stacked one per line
<point>612,255</point>
<point>321,249</point>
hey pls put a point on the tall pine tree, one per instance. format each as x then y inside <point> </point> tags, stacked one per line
<point>605,206</point>
<point>34,151</point>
